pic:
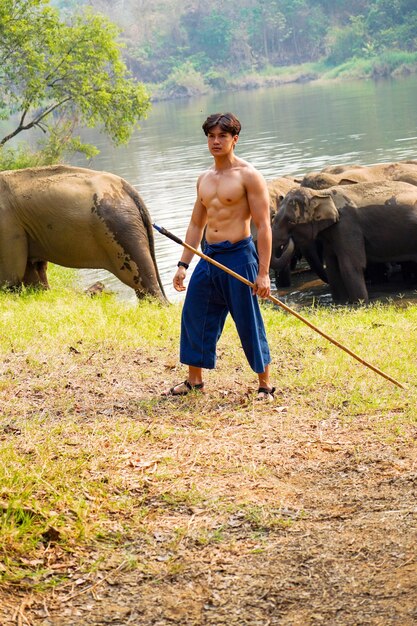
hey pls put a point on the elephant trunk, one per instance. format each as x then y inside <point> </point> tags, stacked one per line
<point>282,255</point>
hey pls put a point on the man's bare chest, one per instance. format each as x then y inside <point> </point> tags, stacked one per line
<point>222,190</point>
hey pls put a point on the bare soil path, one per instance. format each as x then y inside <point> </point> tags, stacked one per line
<point>252,514</point>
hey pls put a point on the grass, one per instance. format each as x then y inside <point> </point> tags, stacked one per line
<point>390,62</point>
<point>91,456</point>
<point>395,63</point>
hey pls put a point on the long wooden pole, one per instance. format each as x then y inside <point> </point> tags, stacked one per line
<point>170,235</point>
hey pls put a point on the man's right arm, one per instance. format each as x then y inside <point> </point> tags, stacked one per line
<point>193,237</point>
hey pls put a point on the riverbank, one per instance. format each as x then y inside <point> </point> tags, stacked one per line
<point>188,82</point>
<point>121,506</point>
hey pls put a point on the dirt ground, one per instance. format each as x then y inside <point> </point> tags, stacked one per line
<point>247,514</point>
<point>319,526</point>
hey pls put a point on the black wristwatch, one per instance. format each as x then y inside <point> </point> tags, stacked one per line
<point>182,264</point>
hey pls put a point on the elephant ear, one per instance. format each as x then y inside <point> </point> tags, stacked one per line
<point>278,200</point>
<point>323,208</point>
<point>347,181</point>
<point>274,206</point>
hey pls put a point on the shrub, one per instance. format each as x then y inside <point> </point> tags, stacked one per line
<point>185,80</point>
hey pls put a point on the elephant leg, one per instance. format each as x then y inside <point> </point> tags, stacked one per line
<point>35,274</point>
<point>313,254</point>
<point>41,267</point>
<point>409,272</point>
<point>283,278</point>
<point>13,254</point>
<point>31,276</point>
<point>353,279</point>
<point>336,284</point>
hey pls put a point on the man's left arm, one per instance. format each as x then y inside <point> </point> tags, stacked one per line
<point>258,199</point>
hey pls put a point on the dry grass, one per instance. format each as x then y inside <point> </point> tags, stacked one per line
<point>120,506</point>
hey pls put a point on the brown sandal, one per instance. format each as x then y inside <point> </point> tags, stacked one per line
<point>189,387</point>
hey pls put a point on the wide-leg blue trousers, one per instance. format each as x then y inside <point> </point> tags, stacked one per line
<point>211,295</point>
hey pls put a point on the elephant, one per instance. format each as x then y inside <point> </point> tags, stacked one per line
<point>75,217</point>
<point>35,274</point>
<point>339,169</point>
<point>292,253</point>
<point>405,171</point>
<point>357,224</point>
<point>277,189</point>
<point>409,272</point>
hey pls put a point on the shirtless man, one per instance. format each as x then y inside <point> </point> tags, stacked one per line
<point>229,195</point>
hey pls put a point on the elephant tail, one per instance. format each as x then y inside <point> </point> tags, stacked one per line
<point>146,219</point>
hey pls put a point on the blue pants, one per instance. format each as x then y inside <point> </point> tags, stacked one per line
<point>211,295</point>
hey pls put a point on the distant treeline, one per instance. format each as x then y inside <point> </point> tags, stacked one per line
<point>196,40</point>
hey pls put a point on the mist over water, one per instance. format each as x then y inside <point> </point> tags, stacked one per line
<point>291,129</point>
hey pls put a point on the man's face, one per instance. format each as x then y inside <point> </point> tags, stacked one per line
<point>220,142</point>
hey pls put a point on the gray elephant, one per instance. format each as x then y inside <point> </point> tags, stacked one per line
<point>277,189</point>
<point>405,171</point>
<point>357,224</point>
<point>75,217</point>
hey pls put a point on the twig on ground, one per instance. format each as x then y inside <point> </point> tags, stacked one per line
<point>96,584</point>
<point>19,616</point>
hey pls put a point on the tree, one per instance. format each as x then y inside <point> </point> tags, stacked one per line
<point>347,42</point>
<point>267,28</point>
<point>55,75</point>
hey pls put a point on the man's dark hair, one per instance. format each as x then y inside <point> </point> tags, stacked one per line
<point>227,122</point>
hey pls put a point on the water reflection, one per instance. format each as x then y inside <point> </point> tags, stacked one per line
<point>291,129</point>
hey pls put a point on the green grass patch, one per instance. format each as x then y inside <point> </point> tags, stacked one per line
<point>389,63</point>
<point>90,453</point>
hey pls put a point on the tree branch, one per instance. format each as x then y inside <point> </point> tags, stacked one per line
<point>34,122</point>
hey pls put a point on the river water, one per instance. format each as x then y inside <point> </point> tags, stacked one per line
<point>291,129</point>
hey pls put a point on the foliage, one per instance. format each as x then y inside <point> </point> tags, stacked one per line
<point>209,32</point>
<point>58,55</point>
<point>185,81</point>
<point>244,36</point>
<point>20,157</point>
<point>55,74</point>
<point>347,42</point>
<point>389,63</point>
